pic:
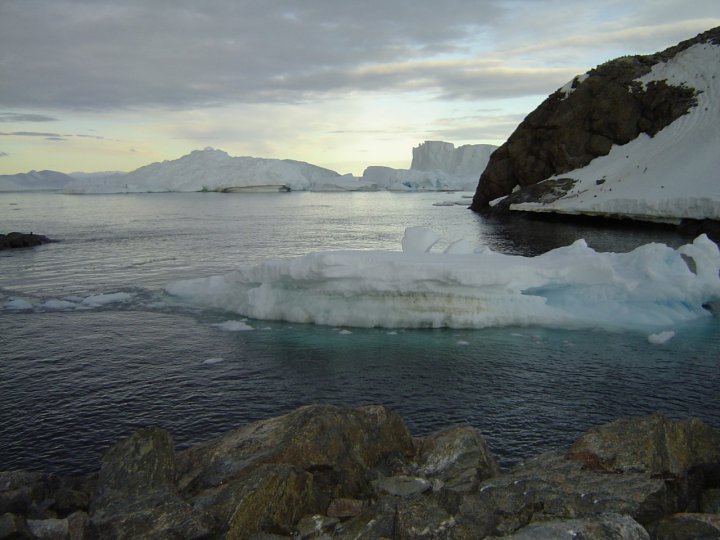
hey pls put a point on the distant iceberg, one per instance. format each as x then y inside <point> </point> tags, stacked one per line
<point>649,288</point>
<point>436,166</point>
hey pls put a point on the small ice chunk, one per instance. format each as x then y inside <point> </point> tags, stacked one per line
<point>59,304</point>
<point>419,239</point>
<point>18,303</point>
<point>213,360</point>
<point>661,337</point>
<point>234,326</point>
<point>97,300</point>
<point>344,332</point>
<point>462,343</point>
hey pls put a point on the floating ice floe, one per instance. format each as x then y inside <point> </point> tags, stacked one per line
<point>661,337</point>
<point>574,286</point>
<point>234,326</point>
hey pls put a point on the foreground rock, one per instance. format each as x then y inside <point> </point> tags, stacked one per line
<point>20,240</point>
<point>332,472</point>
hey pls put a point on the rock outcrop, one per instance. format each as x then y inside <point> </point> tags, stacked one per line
<point>324,472</point>
<point>582,121</point>
<point>20,240</point>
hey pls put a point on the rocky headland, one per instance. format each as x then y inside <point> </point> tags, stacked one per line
<point>602,144</point>
<point>357,473</point>
<point>21,240</point>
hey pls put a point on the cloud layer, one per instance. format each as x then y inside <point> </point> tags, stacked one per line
<point>105,54</point>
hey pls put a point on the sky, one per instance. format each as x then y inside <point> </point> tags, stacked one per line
<point>108,85</point>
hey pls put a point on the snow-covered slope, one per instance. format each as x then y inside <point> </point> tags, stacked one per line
<point>668,177</point>
<point>211,169</point>
<point>34,181</point>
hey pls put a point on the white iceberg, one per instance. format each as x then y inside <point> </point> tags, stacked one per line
<point>574,286</point>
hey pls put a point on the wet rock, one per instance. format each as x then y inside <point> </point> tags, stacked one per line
<point>20,490</point>
<point>336,443</point>
<point>552,487</point>
<point>317,526</point>
<point>459,457</point>
<point>650,444</point>
<point>422,518</point>
<point>344,508</point>
<point>20,240</point>
<point>272,498</point>
<point>49,529</point>
<point>604,527</point>
<point>710,501</point>
<point>685,526</point>
<point>402,485</point>
<point>136,495</point>
<point>13,526</point>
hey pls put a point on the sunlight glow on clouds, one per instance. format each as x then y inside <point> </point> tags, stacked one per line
<point>110,84</point>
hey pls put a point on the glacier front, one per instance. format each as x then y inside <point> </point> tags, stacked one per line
<point>650,288</point>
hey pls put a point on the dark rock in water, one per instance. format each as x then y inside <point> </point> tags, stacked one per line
<point>568,130</point>
<point>324,472</point>
<point>20,240</point>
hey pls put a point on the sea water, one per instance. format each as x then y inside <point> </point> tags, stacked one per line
<point>92,348</point>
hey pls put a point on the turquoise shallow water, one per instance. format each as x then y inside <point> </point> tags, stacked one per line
<point>74,381</point>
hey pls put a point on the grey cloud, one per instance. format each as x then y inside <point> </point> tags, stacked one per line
<point>107,54</point>
<point>30,134</point>
<point>25,117</point>
<point>110,54</point>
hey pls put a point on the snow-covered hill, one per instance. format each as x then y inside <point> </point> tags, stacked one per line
<point>34,181</point>
<point>215,170</point>
<point>211,169</point>
<point>670,176</point>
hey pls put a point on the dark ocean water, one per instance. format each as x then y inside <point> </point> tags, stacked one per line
<point>74,381</point>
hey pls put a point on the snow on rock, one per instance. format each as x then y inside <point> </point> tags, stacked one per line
<point>649,288</point>
<point>671,176</point>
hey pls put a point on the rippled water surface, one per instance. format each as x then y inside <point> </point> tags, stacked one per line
<point>74,381</point>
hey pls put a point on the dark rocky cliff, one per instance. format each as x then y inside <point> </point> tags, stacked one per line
<point>569,129</point>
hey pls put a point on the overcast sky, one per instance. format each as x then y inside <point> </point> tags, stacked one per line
<point>88,85</point>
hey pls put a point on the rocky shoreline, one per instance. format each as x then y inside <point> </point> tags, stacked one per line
<point>333,472</point>
<point>14,240</point>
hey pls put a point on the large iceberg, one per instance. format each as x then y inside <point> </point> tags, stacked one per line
<point>652,287</point>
